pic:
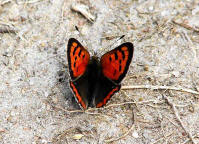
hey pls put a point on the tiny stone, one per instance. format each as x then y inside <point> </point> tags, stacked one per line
<point>78,136</point>
<point>135,134</point>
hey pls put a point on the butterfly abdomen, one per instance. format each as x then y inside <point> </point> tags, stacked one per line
<point>93,71</point>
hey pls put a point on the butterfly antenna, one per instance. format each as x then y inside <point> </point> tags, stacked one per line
<point>80,34</point>
<point>77,29</point>
<point>121,37</point>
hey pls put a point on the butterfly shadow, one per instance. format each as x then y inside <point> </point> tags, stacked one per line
<point>64,88</point>
<point>61,96</point>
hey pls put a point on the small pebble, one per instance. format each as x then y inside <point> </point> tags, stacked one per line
<point>77,136</point>
<point>135,134</point>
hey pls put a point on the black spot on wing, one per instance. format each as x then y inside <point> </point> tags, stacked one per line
<point>83,56</point>
<point>75,48</point>
<point>123,55</point>
<point>120,67</point>
<point>116,56</point>
<point>74,64</point>
<point>80,52</point>
<point>110,59</point>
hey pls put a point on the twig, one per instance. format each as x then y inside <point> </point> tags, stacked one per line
<point>186,141</point>
<point>184,25</point>
<point>12,28</point>
<point>178,118</point>
<point>10,24</point>
<point>84,10</point>
<point>130,102</point>
<point>124,135</point>
<point>30,2</point>
<point>160,88</point>
<point>7,30</point>
<point>161,138</point>
<point>5,2</point>
<point>7,27</point>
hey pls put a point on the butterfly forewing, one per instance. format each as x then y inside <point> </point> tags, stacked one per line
<point>78,58</point>
<point>115,63</point>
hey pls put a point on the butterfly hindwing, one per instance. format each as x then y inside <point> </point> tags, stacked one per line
<point>115,63</point>
<point>80,90</point>
<point>104,90</point>
<point>78,60</point>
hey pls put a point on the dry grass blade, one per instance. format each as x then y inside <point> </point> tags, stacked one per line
<point>184,25</point>
<point>178,118</point>
<point>30,1</point>
<point>160,88</point>
<point>131,102</point>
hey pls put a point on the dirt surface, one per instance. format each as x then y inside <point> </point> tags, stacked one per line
<point>36,104</point>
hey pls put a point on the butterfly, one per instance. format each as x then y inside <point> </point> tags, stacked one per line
<point>93,81</point>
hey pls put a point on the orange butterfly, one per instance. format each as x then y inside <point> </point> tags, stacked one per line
<point>94,81</point>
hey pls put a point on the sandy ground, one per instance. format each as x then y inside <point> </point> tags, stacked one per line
<point>36,104</point>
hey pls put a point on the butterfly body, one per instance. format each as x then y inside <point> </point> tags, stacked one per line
<point>94,81</point>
